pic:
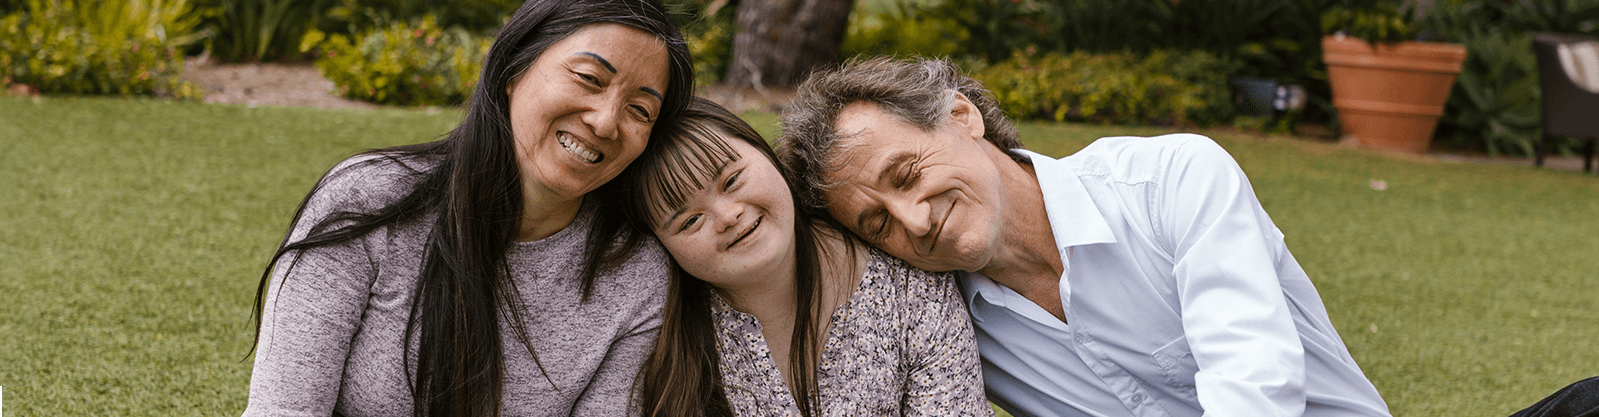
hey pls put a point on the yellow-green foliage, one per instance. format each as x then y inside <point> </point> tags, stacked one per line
<point>710,48</point>
<point>1162,88</point>
<point>905,32</point>
<point>128,47</point>
<point>403,64</point>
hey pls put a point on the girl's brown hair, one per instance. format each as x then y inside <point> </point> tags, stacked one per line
<point>682,376</point>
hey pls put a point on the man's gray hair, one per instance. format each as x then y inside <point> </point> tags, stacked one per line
<point>916,91</point>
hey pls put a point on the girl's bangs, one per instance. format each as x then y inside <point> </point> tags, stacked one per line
<point>682,166</point>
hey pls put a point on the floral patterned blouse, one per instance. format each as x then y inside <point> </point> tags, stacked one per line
<point>901,345</point>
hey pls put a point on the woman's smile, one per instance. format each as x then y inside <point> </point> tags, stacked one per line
<point>577,149</point>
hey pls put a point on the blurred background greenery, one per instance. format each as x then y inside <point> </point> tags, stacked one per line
<point>1146,62</point>
<point>1460,287</point>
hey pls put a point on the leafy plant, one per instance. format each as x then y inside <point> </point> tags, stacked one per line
<point>403,64</point>
<point>1495,106</point>
<point>1495,101</point>
<point>91,47</point>
<point>1276,39</point>
<point>476,16</point>
<point>1374,21</point>
<point>902,32</point>
<point>708,28</point>
<point>269,30</point>
<point>260,30</point>
<point>1162,87</point>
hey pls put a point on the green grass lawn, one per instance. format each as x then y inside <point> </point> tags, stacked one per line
<point>135,232</point>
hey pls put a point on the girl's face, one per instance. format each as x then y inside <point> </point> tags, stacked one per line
<point>739,229</point>
<point>584,108</point>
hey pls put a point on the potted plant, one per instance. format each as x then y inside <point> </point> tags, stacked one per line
<point>1389,90</point>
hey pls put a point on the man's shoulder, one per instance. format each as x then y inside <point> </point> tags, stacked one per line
<point>1137,159</point>
<point>1123,148</point>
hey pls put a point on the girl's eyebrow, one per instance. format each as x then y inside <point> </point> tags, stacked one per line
<point>680,210</point>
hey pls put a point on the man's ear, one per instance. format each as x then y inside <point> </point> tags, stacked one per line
<point>965,117</point>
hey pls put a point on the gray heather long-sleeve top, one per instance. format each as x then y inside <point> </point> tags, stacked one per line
<point>331,327</point>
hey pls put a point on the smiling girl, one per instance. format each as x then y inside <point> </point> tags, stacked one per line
<point>744,330</point>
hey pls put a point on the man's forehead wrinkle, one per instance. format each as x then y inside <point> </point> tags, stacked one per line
<point>843,143</point>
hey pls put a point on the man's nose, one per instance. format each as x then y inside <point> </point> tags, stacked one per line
<point>913,215</point>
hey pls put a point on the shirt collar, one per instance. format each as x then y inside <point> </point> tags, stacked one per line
<point>1073,216</point>
<point>1074,219</point>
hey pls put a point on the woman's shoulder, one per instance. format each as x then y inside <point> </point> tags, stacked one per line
<point>365,183</point>
<point>378,177</point>
<point>648,266</point>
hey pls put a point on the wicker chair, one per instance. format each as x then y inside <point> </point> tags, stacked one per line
<point>1568,70</point>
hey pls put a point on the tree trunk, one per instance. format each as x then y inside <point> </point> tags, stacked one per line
<point>779,42</point>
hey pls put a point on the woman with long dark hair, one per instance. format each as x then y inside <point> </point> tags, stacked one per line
<point>773,309</point>
<point>484,273</point>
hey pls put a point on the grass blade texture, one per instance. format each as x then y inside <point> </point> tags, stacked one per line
<point>133,233</point>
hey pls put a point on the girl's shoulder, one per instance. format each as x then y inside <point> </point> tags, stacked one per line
<point>883,266</point>
<point>894,282</point>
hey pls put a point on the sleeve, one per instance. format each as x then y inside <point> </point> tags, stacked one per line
<point>612,390</point>
<point>312,309</point>
<point>1234,315</point>
<point>945,375</point>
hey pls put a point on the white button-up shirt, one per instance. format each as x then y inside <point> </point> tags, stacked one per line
<point>1181,298</point>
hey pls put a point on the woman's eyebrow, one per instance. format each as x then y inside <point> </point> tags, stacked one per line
<point>612,68</point>
<point>601,59</point>
<point>652,92</point>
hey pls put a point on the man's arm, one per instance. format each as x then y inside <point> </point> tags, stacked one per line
<point>1225,252</point>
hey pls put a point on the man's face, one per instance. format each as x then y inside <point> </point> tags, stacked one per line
<point>932,198</point>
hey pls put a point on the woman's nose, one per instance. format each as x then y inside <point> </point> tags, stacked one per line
<point>603,119</point>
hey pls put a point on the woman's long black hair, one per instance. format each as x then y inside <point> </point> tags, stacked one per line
<point>474,188</point>
<point>682,376</point>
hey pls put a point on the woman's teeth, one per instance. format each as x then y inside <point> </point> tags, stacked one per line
<point>576,149</point>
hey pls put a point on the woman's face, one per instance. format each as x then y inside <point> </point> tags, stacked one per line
<point>738,230</point>
<point>583,109</point>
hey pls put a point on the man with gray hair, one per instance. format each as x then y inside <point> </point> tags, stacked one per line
<point>1138,277</point>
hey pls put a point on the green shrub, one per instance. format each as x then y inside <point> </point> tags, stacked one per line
<point>1162,87</point>
<point>905,31</point>
<point>402,64</point>
<point>1275,39</point>
<point>1374,21</point>
<point>271,30</point>
<point>1494,106</point>
<point>259,30</point>
<point>708,28</point>
<point>92,47</point>
<point>476,16</point>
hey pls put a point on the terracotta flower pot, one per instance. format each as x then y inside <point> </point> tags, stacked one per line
<point>1389,97</point>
